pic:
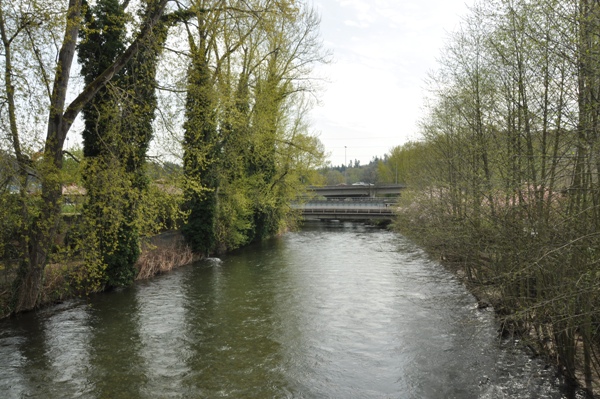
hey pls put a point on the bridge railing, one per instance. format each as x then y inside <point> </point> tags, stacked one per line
<point>355,211</point>
<point>345,204</point>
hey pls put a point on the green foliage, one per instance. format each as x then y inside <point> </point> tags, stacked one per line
<point>11,226</point>
<point>71,170</point>
<point>112,219</point>
<point>102,36</point>
<point>163,172</point>
<point>120,261</point>
<point>160,208</point>
<point>117,134</point>
<point>201,155</point>
<point>505,183</point>
<point>39,43</point>
<point>234,224</point>
<point>199,231</point>
<point>246,152</point>
<point>246,148</point>
<point>398,166</point>
<point>376,171</point>
<point>102,40</point>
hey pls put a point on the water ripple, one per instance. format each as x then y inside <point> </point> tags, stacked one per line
<point>333,311</point>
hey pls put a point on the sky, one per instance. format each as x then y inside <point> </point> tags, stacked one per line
<point>382,50</point>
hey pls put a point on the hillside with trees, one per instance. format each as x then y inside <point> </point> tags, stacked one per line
<point>353,173</point>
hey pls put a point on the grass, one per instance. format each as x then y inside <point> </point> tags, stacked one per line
<point>162,256</point>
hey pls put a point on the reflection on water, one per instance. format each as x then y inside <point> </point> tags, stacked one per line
<point>333,311</point>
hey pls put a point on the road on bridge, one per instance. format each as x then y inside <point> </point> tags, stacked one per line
<point>360,190</point>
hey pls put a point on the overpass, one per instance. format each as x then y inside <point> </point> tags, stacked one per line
<point>357,190</point>
<point>349,209</point>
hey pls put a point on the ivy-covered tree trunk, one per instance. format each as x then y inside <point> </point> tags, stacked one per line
<point>201,152</point>
<point>270,94</point>
<point>116,246</point>
<point>137,116</point>
<point>118,130</point>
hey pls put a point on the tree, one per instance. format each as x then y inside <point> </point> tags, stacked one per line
<point>118,130</point>
<point>334,177</point>
<point>39,232</point>
<point>239,120</point>
<point>200,140</point>
<point>509,186</point>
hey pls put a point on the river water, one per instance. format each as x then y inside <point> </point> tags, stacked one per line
<point>336,310</point>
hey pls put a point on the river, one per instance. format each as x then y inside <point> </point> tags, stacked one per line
<point>336,310</point>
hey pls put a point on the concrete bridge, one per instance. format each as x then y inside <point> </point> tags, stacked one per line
<point>349,209</point>
<point>358,190</point>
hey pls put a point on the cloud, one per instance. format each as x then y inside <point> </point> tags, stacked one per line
<point>356,24</point>
<point>383,50</point>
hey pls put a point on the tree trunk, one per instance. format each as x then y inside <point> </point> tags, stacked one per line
<point>29,281</point>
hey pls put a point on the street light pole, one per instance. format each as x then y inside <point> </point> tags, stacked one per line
<point>345,166</point>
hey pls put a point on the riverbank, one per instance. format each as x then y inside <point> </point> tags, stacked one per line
<point>488,292</point>
<point>163,253</point>
<point>160,254</point>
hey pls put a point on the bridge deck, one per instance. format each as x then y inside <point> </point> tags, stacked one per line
<point>347,210</point>
<point>366,190</point>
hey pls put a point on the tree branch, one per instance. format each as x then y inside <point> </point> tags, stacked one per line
<point>90,91</point>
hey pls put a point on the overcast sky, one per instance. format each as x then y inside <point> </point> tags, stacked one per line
<point>382,51</point>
